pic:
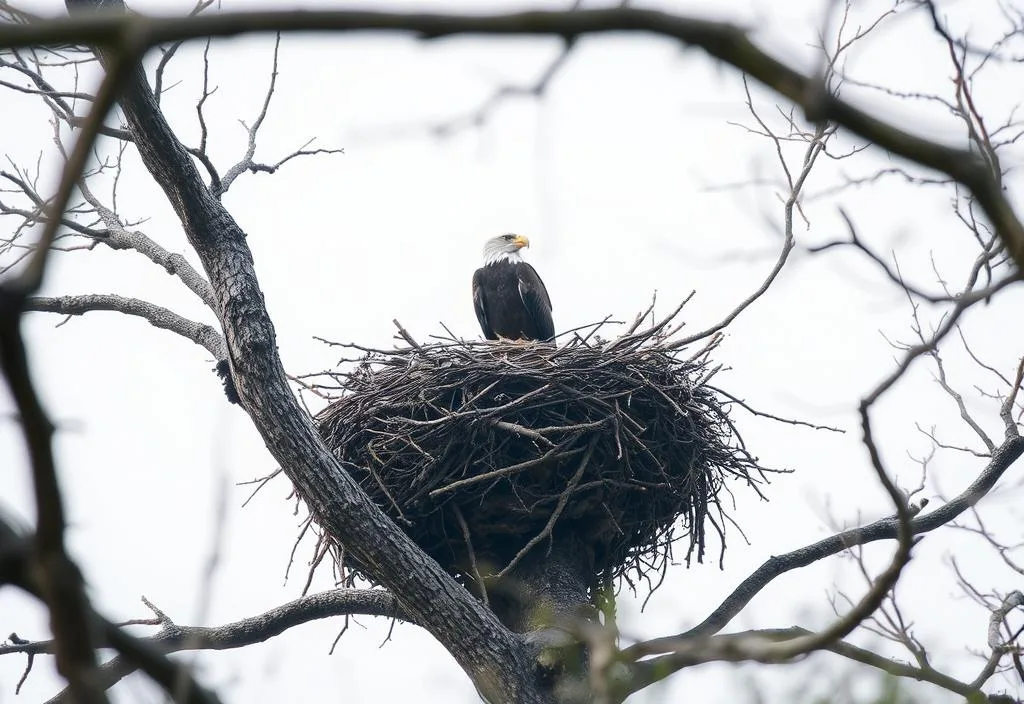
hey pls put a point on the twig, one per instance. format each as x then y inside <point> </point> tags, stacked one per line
<point>562,501</point>
<point>511,469</point>
<point>406,336</point>
<point>814,148</point>
<point>791,421</point>
<point>472,554</point>
<point>524,431</point>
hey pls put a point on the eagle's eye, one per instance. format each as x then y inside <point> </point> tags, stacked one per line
<point>509,238</point>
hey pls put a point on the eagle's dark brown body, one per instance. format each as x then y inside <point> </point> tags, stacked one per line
<point>512,302</point>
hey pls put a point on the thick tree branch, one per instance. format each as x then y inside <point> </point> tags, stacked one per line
<point>722,40</point>
<point>157,316</point>
<point>171,262</point>
<point>173,638</point>
<point>117,237</point>
<point>1013,600</point>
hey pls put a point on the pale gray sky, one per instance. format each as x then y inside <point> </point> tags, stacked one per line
<point>610,176</point>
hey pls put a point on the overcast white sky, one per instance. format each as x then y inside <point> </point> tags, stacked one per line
<point>611,178</point>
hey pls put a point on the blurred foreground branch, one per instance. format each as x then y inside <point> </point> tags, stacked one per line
<point>723,40</point>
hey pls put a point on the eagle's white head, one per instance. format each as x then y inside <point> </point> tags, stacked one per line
<point>504,248</point>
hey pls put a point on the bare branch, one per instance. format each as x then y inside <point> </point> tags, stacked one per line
<point>256,167</point>
<point>117,71</point>
<point>1013,600</point>
<point>172,638</point>
<point>157,316</point>
<point>649,671</point>
<point>891,273</point>
<point>884,529</point>
<point>815,147</point>
<point>246,161</point>
<point>961,406</point>
<point>1006,410</point>
<point>173,263</point>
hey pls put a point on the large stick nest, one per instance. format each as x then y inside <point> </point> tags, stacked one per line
<point>485,451</point>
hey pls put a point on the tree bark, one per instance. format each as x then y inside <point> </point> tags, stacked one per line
<point>497,660</point>
<point>549,586</point>
<point>547,597</point>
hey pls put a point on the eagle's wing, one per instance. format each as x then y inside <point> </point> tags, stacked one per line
<point>479,305</point>
<point>535,297</point>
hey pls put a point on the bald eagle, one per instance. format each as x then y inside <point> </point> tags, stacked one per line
<point>511,301</point>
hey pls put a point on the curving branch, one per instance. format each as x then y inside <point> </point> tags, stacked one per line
<point>885,529</point>
<point>200,333</point>
<point>1013,600</point>
<point>117,236</point>
<point>650,671</point>
<point>721,40</point>
<point>172,638</point>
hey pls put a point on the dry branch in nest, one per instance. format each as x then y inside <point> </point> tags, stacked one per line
<point>486,451</point>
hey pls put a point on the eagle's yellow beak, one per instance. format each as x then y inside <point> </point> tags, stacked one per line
<point>521,241</point>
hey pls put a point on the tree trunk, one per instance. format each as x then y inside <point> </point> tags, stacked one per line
<point>545,598</point>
